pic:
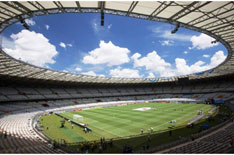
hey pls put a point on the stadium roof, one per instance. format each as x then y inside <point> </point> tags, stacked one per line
<point>215,19</point>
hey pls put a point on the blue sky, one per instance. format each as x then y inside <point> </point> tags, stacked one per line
<point>124,47</point>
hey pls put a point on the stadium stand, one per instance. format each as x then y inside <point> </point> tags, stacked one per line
<point>201,92</point>
<point>21,138</point>
<point>217,142</point>
<point>26,90</point>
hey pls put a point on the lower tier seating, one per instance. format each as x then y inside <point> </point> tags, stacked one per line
<point>220,141</point>
<point>21,138</point>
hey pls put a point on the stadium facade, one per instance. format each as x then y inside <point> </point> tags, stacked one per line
<point>28,88</point>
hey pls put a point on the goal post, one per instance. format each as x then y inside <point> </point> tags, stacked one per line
<point>78,118</point>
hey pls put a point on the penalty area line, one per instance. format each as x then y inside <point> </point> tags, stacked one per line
<point>178,118</point>
<point>107,131</point>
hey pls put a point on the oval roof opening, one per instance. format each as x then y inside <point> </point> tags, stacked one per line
<point>122,47</point>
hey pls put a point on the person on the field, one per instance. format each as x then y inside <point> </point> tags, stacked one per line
<point>111,142</point>
<point>104,144</point>
<point>147,146</point>
<point>100,148</point>
<point>95,144</point>
<point>152,129</point>
<point>129,149</point>
<point>192,137</point>
<point>92,147</point>
<point>82,146</point>
<point>54,144</point>
<point>72,126</point>
<point>149,130</point>
<point>5,135</point>
<point>148,138</point>
<point>101,140</point>
<point>142,131</point>
<point>124,149</point>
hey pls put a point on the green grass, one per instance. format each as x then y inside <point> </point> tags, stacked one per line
<point>121,121</point>
<point>124,118</point>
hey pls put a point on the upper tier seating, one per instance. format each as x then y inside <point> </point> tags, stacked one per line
<point>33,94</point>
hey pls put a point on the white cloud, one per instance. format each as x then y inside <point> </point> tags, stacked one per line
<point>65,71</point>
<point>151,75</point>
<point>167,43</point>
<point>109,26</point>
<point>168,73</point>
<point>98,29</point>
<point>78,69</point>
<point>126,73</point>
<point>185,52</point>
<point>202,41</point>
<point>89,73</point>
<point>30,22</point>
<point>182,68</point>
<point>40,54</point>
<point>175,36</point>
<point>70,45</point>
<point>47,27</point>
<point>95,26</point>
<point>166,34</point>
<point>62,44</point>
<point>217,59</point>
<point>92,73</point>
<point>7,43</point>
<point>152,62</point>
<point>107,53</point>
<point>206,56</point>
<point>101,75</point>
<point>155,64</point>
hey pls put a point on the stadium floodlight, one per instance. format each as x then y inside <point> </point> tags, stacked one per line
<point>22,21</point>
<point>214,41</point>
<point>102,18</point>
<point>176,28</point>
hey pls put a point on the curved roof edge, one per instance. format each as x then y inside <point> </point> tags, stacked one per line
<point>211,18</point>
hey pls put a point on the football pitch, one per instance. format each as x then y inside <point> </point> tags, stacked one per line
<point>121,121</point>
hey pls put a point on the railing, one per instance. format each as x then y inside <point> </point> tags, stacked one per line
<point>196,118</point>
<point>35,123</point>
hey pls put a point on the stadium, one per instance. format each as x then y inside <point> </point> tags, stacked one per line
<point>47,111</point>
